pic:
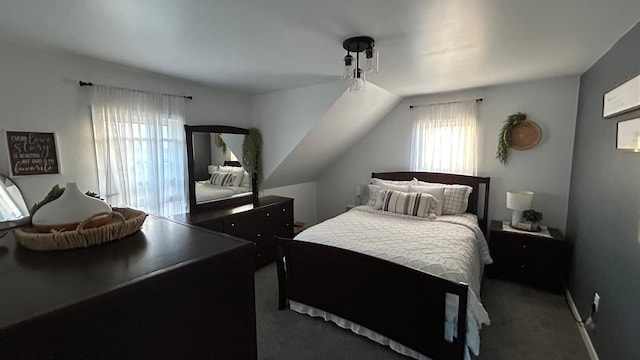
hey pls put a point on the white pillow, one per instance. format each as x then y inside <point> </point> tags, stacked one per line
<point>374,191</point>
<point>237,171</point>
<point>456,197</point>
<point>221,179</point>
<point>436,191</point>
<point>246,180</point>
<point>376,181</point>
<point>414,204</point>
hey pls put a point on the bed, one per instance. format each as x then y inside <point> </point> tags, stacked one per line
<point>209,190</point>
<point>205,191</point>
<point>379,275</point>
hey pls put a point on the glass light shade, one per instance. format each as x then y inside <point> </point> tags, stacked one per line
<point>348,67</point>
<point>371,61</point>
<point>358,84</point>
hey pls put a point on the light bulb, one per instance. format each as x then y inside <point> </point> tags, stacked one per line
<point>348,67</point>
<point>371,60</point>
<point>358,83</point>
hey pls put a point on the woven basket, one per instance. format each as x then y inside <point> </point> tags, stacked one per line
<point>525,135</point>
<point>124,222</point>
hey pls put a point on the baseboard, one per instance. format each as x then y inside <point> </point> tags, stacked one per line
<point>583,332</point>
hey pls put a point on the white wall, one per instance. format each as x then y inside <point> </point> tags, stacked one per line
<point>545,169</point>
<point>39,92</point>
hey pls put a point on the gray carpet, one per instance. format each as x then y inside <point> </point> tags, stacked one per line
<point>525,324</point>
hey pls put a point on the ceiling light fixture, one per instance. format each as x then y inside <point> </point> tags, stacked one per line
<point>365,55</point>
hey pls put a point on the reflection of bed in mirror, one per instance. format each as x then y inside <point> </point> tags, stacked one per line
<point>217,173</point>
<point>225,181</point>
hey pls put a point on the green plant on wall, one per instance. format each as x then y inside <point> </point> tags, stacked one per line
<point>251,155</point>
<point>504,138</point>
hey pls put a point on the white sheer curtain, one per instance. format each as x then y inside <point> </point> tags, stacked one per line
<point>140,149</point>
<point>445,138</point>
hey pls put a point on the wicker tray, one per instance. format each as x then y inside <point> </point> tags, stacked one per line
<point>125,222</point>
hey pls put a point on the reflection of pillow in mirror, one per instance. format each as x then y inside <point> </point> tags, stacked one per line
<point>237,171</point>
<point>246,180</point>
<point>222,179</point>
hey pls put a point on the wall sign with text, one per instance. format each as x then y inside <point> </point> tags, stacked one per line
<point>622,98</point>
<point>32,153</point>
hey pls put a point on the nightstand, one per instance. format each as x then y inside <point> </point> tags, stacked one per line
<point>530,259</point>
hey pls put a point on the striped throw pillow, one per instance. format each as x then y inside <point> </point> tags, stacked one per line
<point>222,179</point>
<point>414,204</point>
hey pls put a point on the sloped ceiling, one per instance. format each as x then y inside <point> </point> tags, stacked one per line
<point>328,120</point>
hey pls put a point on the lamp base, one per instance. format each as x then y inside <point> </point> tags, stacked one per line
<point>516,218</point>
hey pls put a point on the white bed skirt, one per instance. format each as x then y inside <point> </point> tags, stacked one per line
<point>363,331</point>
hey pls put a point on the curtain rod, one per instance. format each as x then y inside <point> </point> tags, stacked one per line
<point>450,102</point>
<point>84,83</point>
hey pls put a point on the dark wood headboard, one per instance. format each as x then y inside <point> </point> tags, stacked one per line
<point>473,181</point>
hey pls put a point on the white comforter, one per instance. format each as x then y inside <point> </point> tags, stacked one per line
<point>205,191</point>
<point>452,247</point>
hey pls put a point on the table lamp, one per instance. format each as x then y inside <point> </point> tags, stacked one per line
<point>518,201</point>
<point>359,190</point>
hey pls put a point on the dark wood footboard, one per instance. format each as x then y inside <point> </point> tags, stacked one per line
<point>403,304</point>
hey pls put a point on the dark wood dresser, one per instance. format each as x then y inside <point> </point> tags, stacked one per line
<point>170,291</point>
<point>259,223</point>
<point>531,259</point>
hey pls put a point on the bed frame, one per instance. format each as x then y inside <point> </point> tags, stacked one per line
<point>400,303</point>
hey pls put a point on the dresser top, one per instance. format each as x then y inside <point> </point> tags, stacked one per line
<point>34,283</point>
<point>196,217</point>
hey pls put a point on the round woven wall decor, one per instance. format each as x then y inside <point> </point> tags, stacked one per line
<point>525,135</point>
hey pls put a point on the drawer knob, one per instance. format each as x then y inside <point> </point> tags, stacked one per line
<point>267,214</point>
<point>284,209</point>
<point>233,224</point>
<point>521,266</point>
<point>287,225</point>
<point>524,246</point>
<point>259,235</point>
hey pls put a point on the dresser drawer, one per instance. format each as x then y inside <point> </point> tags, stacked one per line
<point>259,224</point>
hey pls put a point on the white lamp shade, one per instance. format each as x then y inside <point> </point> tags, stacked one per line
<point>519,200</point>
<point>211,169</point>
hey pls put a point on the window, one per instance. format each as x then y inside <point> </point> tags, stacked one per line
<point>444,138</point>
<point>140,149</point>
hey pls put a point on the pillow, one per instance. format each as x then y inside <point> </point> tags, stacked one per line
<point>375,191</point>
<point>222,179</point>
<point>414,204</point>
<point>246,180</point>
<point>237,171</point>
<point>435,191</point>
<point>456,197</point>
<point>376,181</point>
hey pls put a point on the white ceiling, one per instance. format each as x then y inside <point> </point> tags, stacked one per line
<point>426,46</point>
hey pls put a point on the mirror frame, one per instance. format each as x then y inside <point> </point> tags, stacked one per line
<point>217,204</point>
<point>9,224</point>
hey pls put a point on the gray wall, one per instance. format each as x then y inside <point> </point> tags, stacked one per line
<point>604,203</point>
<point>545,169</point>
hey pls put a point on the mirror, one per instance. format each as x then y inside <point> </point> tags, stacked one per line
<point>13,209</point>
<point>216,176</point>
